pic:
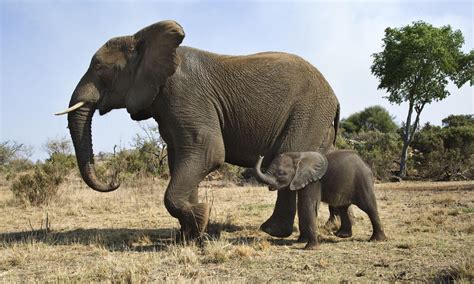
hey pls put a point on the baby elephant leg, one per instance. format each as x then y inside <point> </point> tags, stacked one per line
<point>308,203</point>
<point>333,222</point>
<point>345,231</point>
<point>368,204</point>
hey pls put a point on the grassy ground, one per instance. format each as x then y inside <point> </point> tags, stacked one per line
<point>128,236</point>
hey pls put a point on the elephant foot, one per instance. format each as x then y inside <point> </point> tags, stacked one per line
<point>378,237</point>
<point>344,233</point>
<point>194,225</point>
<point>277,228</point>
<point>311,245</point>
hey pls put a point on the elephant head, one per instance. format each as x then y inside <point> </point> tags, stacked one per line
<point>126,72</point>
<point>293,170</point>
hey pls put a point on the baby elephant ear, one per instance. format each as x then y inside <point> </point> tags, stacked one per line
<point>311,167</point>
<point>157,60</point>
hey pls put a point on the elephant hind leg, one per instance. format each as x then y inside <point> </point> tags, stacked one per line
<point>368,204</point>
<point>345,231</point>
<point>377,231</point>
<point>333,222</point>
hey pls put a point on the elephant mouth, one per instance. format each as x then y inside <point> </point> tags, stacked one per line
<point>103,111</point>
<point>102,106</point>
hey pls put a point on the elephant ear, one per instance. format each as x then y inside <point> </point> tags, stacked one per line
<point>157,60</point>
<point>311,167</point>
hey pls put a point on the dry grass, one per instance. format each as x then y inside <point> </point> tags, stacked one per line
<point>128,236</point>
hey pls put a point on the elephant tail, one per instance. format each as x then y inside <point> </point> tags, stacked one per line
<point>336,123</point>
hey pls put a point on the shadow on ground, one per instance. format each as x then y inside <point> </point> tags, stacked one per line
<point>116,239</point>
<point>119,239</point>
<point>124,239</point>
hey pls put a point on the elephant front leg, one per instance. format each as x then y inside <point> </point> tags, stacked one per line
<point>280,224</point>
<point>181,195</point>
<point>308,205</point>
<point>193,216</point>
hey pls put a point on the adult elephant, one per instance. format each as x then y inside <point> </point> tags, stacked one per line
<point>210,109</point>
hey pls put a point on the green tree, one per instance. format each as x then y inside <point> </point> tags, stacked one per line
<point>415,66</point>
<point>374,118</point>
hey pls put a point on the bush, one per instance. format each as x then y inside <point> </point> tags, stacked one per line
<point>38,187</point>
<point>147,158</point>
<point>445,153</point>
<point>132,164</point>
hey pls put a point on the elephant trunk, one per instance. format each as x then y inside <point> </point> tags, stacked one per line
<point>268,179</point>
<point>79,123</point>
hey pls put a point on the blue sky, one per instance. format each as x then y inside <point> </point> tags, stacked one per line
<point>46,46</point>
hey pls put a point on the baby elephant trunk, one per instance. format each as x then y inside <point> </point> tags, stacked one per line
<point>266,178</point>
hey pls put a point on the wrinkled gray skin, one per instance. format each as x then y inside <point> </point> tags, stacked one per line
<point>210,109</point>
<point>347,180</point>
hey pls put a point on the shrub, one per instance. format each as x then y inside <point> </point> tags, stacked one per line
<point>132,164</point>
<point>38,187</point>
<point>147,158</point>
<point>445,153</point>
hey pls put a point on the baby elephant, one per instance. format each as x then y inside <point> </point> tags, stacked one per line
<point>340,179</point>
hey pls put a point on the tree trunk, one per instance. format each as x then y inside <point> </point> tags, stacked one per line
<point>406,142</point>
<point>408,135</point>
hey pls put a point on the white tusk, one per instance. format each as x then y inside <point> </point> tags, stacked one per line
<point>74,107</point>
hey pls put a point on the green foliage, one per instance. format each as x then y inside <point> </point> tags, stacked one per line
<point>415,66</point>
<point>134,163</point>
<point>417,60</point>
<point>147,158</point>
<point>40,185</point>
<point>374,118</point>
<point>445,153</point>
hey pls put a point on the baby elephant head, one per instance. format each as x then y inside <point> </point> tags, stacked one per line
<point>293,169</point>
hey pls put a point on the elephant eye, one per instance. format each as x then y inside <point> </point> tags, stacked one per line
<point>281,173</point>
